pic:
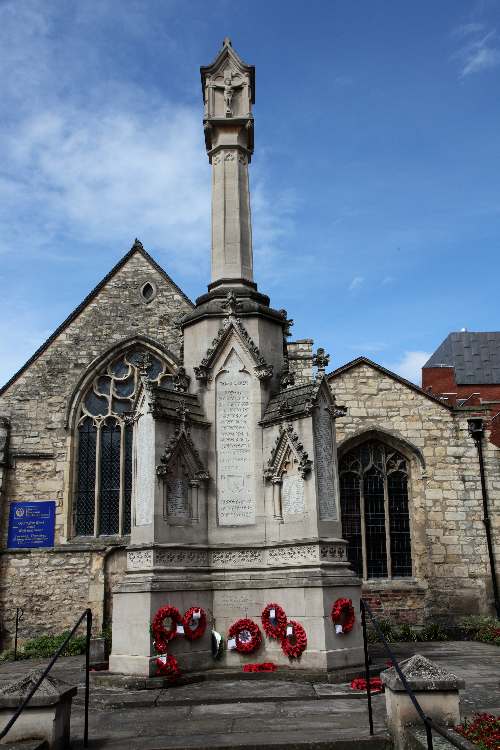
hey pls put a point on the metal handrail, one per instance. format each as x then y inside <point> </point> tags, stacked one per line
<point>428,722</point>
<point>88,615</point>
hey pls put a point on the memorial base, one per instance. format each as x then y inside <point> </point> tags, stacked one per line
<point>306,593</point>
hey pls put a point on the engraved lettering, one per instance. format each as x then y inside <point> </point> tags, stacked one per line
<point>235,497</point>
<point>178,498</point>
<point>325,469</point>
<point>292,494</point>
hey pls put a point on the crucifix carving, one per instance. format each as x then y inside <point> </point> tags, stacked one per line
<point>228,88</point>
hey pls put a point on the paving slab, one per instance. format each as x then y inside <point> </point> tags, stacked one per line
<point>246,714</point>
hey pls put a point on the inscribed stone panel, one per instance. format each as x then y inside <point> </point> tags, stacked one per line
<point>292,494</point>
<point>235,493</point>
<point>325,469</point>
<point>145,477</point>
<point>178,497</point>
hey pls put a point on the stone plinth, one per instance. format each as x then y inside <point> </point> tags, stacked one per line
<point>435,689</point>
<point>47,715</point>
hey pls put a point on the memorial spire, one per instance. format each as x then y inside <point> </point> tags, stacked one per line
<point>228,86</point>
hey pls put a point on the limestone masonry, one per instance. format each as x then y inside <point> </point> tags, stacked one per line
<point>197,456</point>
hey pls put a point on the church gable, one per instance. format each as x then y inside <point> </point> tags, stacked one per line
<point>369,381</point>
<point>136,295</point>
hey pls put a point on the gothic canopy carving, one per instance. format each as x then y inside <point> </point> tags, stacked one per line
<point>232,325</point>
<point>287,442</point>
<point>181,446</point>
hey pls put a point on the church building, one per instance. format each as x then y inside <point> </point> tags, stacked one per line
<point>405,472</point>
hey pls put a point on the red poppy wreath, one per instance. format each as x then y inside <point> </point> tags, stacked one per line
<point>343,616</point>
<point>246,635</point>
<point>195,623</point>
<point>295,643</point>
<point>161,634</point>
<point>274,626</point>
<point>167,666</point>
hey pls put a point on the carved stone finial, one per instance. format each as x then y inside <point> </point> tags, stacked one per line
<point>321,360</point>
<point>227,42</point>
<point>181,380</point>
<point>288,323</point>
<point>231,304</point>
<point>137,245</point>
<point>287,377</point>
<point>143,363</point>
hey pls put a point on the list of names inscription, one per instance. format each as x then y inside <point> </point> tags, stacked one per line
<point>235,495</point>
<point>323,450</point>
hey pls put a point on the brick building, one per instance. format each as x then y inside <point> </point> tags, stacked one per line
<point>465,370</point>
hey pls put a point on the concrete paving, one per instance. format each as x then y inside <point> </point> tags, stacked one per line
<point>259,713</point>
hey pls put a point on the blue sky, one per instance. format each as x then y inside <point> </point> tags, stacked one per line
<point>375,182</point>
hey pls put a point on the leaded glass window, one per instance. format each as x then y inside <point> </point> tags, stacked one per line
<point>103,487</point>
<point>375,517</point>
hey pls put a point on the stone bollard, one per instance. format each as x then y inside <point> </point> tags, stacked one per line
<point>47,715</point>
<point>435,689</point>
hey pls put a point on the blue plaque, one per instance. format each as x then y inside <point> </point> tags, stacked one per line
<point>32,524</point>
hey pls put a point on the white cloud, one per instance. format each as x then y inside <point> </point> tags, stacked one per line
<point>356,283</point>
<point>480,51</point>
<point>410,366</point>
<point>466,29</point>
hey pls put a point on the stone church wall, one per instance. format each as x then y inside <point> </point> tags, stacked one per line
<point>53,587</point>
<point>451,568</point>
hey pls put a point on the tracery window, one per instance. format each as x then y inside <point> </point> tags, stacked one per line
<point>103,489</point>
<point>375,517</point>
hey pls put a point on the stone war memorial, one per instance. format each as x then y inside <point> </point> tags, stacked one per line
<point>210,491</point>
<point>235,485</point>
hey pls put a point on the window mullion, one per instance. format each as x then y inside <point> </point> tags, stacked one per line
<point>121,496</point>
<point>364,551</point>
<point>387,528</point>
<point>97,480</point>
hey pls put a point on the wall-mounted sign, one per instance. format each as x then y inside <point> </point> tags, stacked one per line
<point>32,524</point>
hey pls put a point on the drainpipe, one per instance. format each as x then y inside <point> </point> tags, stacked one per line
<point>476,431</point>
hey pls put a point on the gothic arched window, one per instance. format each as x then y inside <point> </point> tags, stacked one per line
<point>375,518</point>
<point>103,487</point>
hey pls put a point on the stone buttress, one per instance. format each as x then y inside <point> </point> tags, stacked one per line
<point>235,498</point>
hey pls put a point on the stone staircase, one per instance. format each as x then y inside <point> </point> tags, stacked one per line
<point>232,714</point>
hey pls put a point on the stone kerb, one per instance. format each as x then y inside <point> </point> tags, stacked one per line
<point>436,690</point>
<point>47,715</point>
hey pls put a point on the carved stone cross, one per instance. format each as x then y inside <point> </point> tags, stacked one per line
<point>321,360</point>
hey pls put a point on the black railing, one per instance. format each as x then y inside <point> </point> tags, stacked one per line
<point>429,724</point>
<point>85,615</point>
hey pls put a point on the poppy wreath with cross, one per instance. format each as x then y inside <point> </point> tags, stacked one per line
<point>295,643</point>
<point>274,627</point>
<point>343,614</point>
<point>246,634</point>
<point>195,616</point>
<point>161,634</point>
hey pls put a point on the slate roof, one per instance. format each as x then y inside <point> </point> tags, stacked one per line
<point>475,357</point>
<point>168,402</point>
<point>291,403</point>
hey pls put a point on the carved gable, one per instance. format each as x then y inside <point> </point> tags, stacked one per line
<point>287,450</point>
<point>232,326</point>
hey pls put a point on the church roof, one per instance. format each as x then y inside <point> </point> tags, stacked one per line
<point>137,247</point>
<point>292,403</point>
<point>365,361</point>
<point>475,357</point>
